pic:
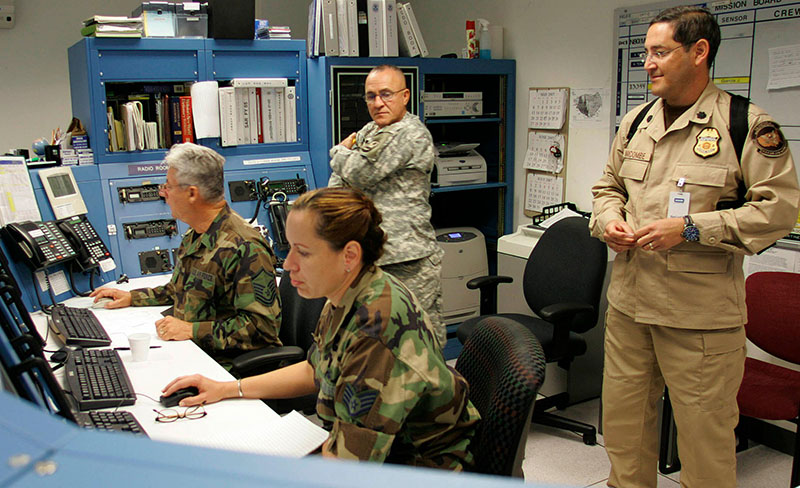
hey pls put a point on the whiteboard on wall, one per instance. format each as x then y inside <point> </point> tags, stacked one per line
<point>749,29</point>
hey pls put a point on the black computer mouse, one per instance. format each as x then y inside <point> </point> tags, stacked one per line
<point>62,354</point>
<point>178,395</point>
<point>59,356</point>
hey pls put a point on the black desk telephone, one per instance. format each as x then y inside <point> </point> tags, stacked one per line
<point>84,239</point>
<point>44,244</point>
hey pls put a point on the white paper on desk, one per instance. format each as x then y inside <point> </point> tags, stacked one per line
<point>128,320</point>
<point>540,156</point>
<point>561,215</point>
<point>205,109</point>
<point>773,259</point>
<point>784,67</point>
<point>292,435</point>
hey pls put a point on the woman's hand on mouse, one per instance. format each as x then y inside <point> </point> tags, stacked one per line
<point>210,391</point>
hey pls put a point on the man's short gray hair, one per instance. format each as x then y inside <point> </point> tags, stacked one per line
<point>198,166</point>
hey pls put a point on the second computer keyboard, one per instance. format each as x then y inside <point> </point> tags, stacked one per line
<point>78,327</point>
<point>97,379</point>
<point>119,421</point>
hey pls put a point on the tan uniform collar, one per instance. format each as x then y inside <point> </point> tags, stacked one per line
<point>699,113</point>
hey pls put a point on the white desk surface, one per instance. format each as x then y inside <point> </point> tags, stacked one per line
<point>238,424</point>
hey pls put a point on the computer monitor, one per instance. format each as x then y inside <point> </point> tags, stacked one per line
<point>21,355</point>
<point>62,191</point>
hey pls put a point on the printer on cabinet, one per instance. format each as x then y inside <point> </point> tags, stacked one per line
<point>458,164</point>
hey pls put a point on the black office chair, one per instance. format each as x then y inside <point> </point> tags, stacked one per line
<point>504,365</point>
<point>562,284</point>
<point>299,317</point>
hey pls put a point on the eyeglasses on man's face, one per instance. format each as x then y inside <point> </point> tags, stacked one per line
<point>171,415</point>
<point>385,95</point>
<point>657,56</point>
<point>166,187</point>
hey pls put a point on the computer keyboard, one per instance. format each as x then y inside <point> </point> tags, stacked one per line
<point>97,379</point>
<point>78,327</point>
<point>119,421</point>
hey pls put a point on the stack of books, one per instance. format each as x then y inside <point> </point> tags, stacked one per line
<point>279,32</point>
<point>112,26</point>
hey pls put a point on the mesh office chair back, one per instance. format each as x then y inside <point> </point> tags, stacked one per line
<point>504,365</point>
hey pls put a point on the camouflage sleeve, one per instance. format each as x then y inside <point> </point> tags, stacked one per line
<point>378,156</point>
<point>373,397</point>
<point>160,295</point>
<point>335,180</point>
<point>255,300</point>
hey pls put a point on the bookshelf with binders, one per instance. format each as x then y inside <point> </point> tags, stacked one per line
<point>135,97</point>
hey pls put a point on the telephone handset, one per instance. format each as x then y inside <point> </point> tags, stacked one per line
<point>91,250</point>
<point>278,209</point>
<point>40,244</point>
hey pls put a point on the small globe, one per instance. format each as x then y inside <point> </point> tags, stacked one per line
<point>38,146</point>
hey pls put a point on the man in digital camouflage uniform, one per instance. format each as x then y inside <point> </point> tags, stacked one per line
<point>223,286</point>
<point>391,159</point>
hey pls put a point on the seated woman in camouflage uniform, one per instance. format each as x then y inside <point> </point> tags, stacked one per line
<point>385,392</point>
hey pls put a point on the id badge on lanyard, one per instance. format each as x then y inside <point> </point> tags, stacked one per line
<point>679,201</point>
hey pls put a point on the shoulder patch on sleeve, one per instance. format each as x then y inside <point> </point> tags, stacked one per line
<point>358,403</point>
<point>769,139</point>
<point>264,288</point>
<point>372,146</point>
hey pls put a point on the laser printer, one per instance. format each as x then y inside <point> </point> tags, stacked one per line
<point>464,258</point>
<point>458,164</point>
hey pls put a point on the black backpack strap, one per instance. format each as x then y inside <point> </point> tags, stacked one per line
<point>739,123</point>
<point>638,120</point>
<point>739,128</point>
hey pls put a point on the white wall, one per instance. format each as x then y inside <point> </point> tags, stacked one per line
<point>34,77</point>
<point>555,43</point>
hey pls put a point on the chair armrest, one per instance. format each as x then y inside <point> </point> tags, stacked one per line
<point>266,359</point>
<point>488,291</point>
<point>487,281</point>
<point>561,313</point>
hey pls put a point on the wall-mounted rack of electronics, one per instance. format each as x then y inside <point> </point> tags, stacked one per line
<point>152,75</point>
<point>460,101</point>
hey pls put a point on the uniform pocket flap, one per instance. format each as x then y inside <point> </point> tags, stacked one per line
<point>697,174</point>
<point>722,341</point>
<point>697,262</point>
<point>632,169</point>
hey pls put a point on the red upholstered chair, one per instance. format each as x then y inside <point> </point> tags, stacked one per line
<point>770,391</point>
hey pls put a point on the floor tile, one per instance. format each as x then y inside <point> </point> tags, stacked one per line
<point>557,457</point>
